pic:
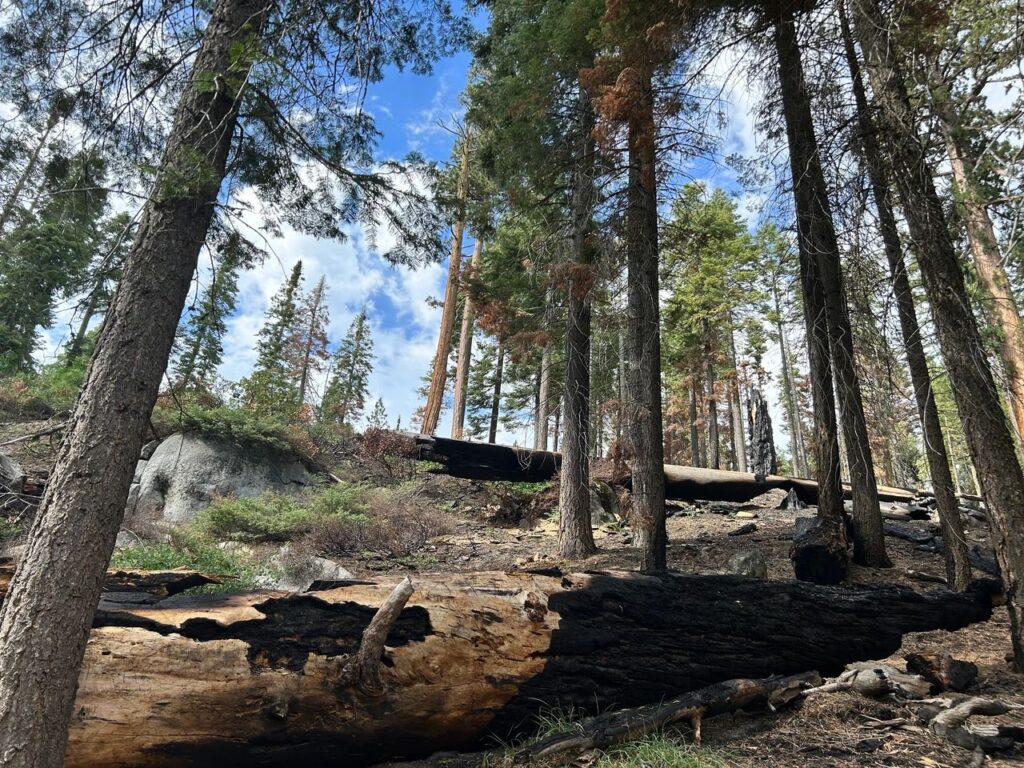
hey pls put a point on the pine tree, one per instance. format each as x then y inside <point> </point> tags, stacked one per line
<point>201,337</point>
<point>378,418</point>
<point>270,388</point>
<point>345,398</point>
<point>307,352</point>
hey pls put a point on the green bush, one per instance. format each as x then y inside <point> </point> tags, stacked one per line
<point>188,413</point>
<point>278,516</point>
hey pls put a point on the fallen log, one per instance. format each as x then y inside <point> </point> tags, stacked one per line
<point>628,725</point>
<point>260,678</point>
<point>487,461</point>
<point>123,586</point>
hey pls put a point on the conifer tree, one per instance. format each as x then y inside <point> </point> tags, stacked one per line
<point>307,345</point>
<point>378,418</point>
<point>201,337</point>
<point>345,398</point>
<point>270,389</point>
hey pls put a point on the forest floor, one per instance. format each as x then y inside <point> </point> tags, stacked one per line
<point>506,526</point>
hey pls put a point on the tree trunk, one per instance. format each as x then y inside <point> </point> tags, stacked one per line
<point>439,372</point>
<point>540,438</point>
<point>499,369</point>
<point>1001,305</point>
<point>711,401</point>
<point>575,535</point>
<point>989,438</point>
<point>958,569</point>
<point>75,348</point>
<point>47,617</point>
<point>307,353</point>
<point>695,458</point>
<point>738,437</point>
<point>19,185</point>
<point>796,432</point>
<point>465,349</point>
<point>266,678</point>
<point>818,237</point>
<point>825,437</point>
<point>643,382</point>
<point>762,441</point>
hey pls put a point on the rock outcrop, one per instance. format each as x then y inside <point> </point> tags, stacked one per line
<point>185,472</point>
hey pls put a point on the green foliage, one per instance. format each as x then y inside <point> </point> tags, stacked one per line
<point>345,398</point>
<point>52,390</point>
<point>238,571</point>
<point>378,418</point>
<point>269,390</point>
<point>47,253</point>
<point>280,517</point>
<point>185,414</point>
<point>200,338</point>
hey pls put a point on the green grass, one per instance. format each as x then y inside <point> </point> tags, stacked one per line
<point>657,750</point>
<point>661,751</point>
<point>520,487</point>
<point>239,572</point>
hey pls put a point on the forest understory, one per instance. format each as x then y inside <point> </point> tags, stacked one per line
<point>506,526</point>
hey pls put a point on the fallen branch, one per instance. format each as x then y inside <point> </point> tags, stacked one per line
<point>363,670</point>
<point>630,724</point>
<point>33,435</point>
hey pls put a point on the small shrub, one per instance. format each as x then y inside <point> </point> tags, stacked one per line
<point>397,523</point>
<point>393,452</point>
<point>279,516</point>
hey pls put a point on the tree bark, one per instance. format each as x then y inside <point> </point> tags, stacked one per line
<point>738,435</point>
<point>215,680</point>
<point>499,369</point>
<point>439,372</point>
<point>540,438</point>
<point>465,349</point>
<point>825,437</point>
<point>575,535</point>
<point>796,432</point>
<point>695,457</point>
<point>818,238</point>
<point>1001,304</point>
<point>643,382</point>
<point>958,568</point>
<point>47,616</point>
<point>711,401</point>
<point>989,438</point>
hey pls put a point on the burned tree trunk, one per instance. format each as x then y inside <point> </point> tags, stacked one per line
<point>762,441</point>
<point>279,679</point>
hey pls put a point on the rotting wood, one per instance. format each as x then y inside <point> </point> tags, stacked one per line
<point>221,679</point>
<point>627,725</point>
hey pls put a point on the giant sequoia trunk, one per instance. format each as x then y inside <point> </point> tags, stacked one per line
<point>643,382</point>
<point>958,569</point>
<point>818,244</point>
<point>439,371</point>
<point>989,438</point>
<point>575,535</point>
<point>275,679</point>
<point>465,349</point>
<point>48,614</point>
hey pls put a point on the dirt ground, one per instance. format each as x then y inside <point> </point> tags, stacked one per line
<point>834,729</point>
